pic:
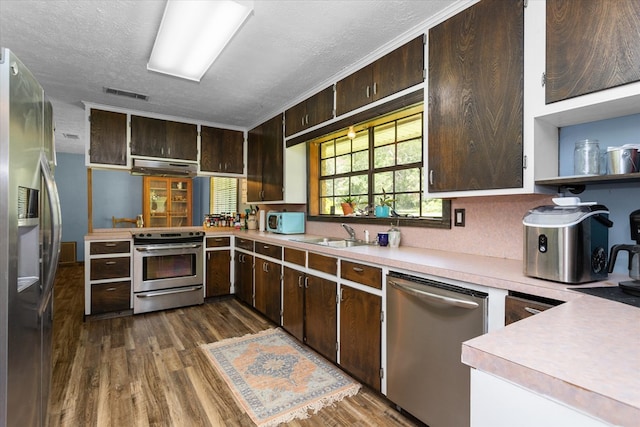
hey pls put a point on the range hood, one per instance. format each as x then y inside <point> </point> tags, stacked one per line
<point>164,168</point>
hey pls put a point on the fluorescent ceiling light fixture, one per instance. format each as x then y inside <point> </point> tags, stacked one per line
<point>193,33</point>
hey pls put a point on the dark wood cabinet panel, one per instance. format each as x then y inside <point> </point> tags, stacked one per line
<point>115,247</point>
<point>310,112</point>
<point>218,273</point>
<point>222,150</point>
<point>218,242</point>
<point>166,139</point>
<point>108,297</point>
<point>591,45</point>
<point>265,151</point>
<point>293,302</point>
<point>182,141</point>
<point>361,273</point>
<point>148,136</point>
<point>326,264</point>
<point>476,98</point>
<point>110,268</point>
<point>243,284</point>
<point>267,288</point>
<point>320,310</point>
<point>108,138</point>
<point>268,249</point>
<point>360,335</point>
<point>295,256</point>
<point>243,243</point>
<point>398,70</point>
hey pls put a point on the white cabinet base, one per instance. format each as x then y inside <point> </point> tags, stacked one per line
<point>498,403</point>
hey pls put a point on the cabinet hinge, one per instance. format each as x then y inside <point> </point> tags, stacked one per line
<point>381,372</point>
<point>524,162</point>
<point>335,85</point>
<point>337,299</point>
<point>526,3</point>
<point>382,316</point>
<point>544,79</point>
<point>333,112</point>
<point>424,39</point>
<point>89,118</point>
<point>337,347</point>
<point>424,74</point>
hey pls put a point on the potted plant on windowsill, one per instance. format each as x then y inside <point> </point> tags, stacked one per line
<point>384,205</point>
<point>349,204</point>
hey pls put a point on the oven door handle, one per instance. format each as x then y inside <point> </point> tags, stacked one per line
<point>170,292</point>
<point>167,247</point>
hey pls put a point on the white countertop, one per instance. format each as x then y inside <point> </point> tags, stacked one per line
<point>585,352</point>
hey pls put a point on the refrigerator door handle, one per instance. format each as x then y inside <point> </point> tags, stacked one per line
<point>56,223</point>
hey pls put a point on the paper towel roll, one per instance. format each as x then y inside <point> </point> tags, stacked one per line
<point>263,221</point>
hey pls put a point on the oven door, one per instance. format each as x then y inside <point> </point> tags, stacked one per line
<point>167,265</point>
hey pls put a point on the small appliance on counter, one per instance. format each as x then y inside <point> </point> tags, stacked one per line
<point>567,242</point>
<point>632,286</point>
<point>285,222</point>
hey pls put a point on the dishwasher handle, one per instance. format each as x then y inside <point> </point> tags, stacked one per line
<point>470,305</point>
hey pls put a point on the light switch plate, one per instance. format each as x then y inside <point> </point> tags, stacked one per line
<point>458,219</point>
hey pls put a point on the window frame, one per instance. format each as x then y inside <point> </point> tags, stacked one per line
<point>314,174</point>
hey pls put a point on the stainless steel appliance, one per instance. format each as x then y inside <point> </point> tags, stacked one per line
<point>167,270</point>
<point>631,286</point>
<point>427,321</point>
<point>567,244</point>
<point>30,244</point>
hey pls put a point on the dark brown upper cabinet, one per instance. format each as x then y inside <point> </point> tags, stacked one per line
<point>310,112</point>
<point>162,138</point>
<point>108,138</point>
<point>398,70</point>
<point>475,112</point>
<point>591,45</point>
<point>265,154</point>
<point>222,150</point>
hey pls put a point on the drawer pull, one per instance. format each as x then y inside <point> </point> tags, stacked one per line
<point>532,310</point>
<point>110,263</point>
<point>358,269</point>
<point>266,246</point>
<point>218,240</point>
<point>110,245</point>
<point>111,289</point>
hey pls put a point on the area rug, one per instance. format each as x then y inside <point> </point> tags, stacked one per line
<point>275,379</point>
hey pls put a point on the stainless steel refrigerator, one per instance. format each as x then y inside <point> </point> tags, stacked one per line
<point>30,231</point>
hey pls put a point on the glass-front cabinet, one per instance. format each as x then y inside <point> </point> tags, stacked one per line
<point>167,201</point>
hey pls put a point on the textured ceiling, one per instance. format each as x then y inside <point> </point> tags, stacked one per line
<point>285,49</point>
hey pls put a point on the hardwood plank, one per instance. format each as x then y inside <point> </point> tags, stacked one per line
<point>148,370</point>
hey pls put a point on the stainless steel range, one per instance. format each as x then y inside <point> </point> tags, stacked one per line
<point>167,270</point>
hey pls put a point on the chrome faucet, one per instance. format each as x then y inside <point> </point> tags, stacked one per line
<point>351,231</point>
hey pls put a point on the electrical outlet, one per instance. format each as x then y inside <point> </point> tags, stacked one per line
<point>458,220</point>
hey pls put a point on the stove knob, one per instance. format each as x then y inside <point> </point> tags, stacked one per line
<point>191,233</point>
<point>148,234</point>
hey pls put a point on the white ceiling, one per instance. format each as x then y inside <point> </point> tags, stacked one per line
<point>284,50</point>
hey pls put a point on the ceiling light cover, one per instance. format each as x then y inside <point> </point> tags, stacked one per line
<point>193,33</point>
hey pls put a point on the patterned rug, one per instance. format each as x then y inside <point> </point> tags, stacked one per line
<point>275,379</point>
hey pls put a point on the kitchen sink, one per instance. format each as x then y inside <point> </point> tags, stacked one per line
<point>334,242</point>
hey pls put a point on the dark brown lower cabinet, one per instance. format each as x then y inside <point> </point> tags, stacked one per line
<point>243,267</point>
<point>293,302</point>
<point>108,297</point>
<point>320,316</point>
<point>267,288</point>
<point>218,273</point>
<point>360,335</point>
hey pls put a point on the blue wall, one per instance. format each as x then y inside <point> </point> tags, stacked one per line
<point>71,179</point>
<point>115,193</point>
<point>620,199</point>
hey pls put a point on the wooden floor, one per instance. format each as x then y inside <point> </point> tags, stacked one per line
<point>146,370</point>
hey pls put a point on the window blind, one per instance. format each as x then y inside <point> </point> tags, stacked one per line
<point>224,195</point>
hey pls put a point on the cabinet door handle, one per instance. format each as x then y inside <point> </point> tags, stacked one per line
<point>302,121</point>
<point>208,256</point>
<point>306,282</point>
<point>431,177</point>
<point>368,94</point>
<point>265,267</point>
<point>306,119</point>
<point>220,166</point>
<point>375,88</point>
<point>110,263</point>
<point>358,269</point>
<point>300,281</point>
<point>341,296</point>
<point>532,310</point>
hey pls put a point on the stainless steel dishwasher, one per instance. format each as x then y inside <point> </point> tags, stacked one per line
<point>427,321</point>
